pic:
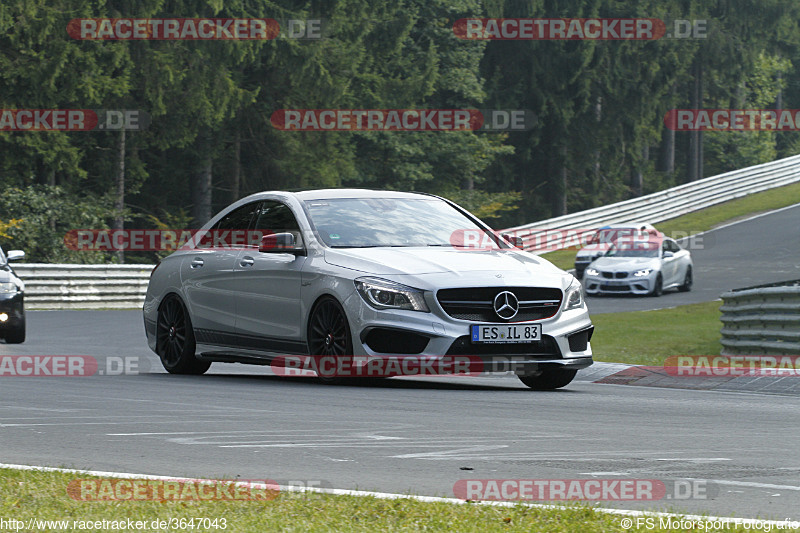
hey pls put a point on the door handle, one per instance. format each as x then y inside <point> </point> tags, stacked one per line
<point>197,262</point>
<point>247,261</point>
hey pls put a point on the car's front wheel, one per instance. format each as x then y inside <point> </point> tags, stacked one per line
<point>175,343</point>
<point>687,281</point>
<point>658,288</point>
<point>329,341</point>
<point>550,379</point>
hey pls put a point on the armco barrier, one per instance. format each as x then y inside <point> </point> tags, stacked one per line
<point>124,286</point>
<point>666,204</point>
<point>762,320</point>
<point>83,286</point>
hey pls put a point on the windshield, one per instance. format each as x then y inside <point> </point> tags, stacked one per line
<point>372,222</point>
<point>643,249</point>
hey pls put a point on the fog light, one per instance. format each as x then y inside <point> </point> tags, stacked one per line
<point>3,317</point>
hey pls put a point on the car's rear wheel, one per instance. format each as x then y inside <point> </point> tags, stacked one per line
<point>550,379</point>
<point>175,343</point>
<point>16,334</point>
<point>687,281</point>
<point>658,288</point>
<point>329,341</point>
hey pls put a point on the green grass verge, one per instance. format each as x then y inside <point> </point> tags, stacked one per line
<point>706,219</point>
<point>649,337</point>
<point>43,495</point>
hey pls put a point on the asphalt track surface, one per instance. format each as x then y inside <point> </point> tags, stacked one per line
<point>751,252</point>
<point>738,451</point>
<point>406,435</point>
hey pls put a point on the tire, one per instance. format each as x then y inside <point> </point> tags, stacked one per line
<point>687,281</point>
<point>658,290</point>
<point>550,379</point>
<point>328,335</point>
<point>175,343</point>
<point>16,335</point>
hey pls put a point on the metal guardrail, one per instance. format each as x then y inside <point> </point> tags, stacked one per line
<point>663,205</point>
<point>65,286</point>
<point>763,320</point>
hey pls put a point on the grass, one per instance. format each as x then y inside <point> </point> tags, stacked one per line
<point>707,218</point>
<point>649,337</point>
<point>42,495</point>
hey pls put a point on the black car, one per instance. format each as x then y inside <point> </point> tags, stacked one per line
<point>12,292</point>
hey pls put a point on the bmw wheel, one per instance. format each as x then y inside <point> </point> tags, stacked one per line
<point>175,343</point>
<point>658,288</point>
<point>687,281</point>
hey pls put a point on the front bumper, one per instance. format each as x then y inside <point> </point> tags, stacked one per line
<point>435,335</point>
<point>642,285</point>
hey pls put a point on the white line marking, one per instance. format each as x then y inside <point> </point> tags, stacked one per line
<point>393,496</point>
<point>748,484</point>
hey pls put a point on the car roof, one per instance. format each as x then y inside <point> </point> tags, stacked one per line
<point>325,194</point>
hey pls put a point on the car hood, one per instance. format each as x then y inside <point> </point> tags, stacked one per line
<point>416,261</point>
<point>616,264</point>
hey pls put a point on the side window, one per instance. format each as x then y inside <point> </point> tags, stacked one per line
<point>239,219</point>
<point>275,217</point>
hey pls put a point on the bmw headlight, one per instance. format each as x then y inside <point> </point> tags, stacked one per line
<point>643,272</point>
<point>592,272</point>
<point>7,287</point>
<point>384,294</point>
<point>573,296</point>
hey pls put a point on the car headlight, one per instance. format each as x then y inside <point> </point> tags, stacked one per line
<point>592,272</point>
<point>6,287</point>
<point>643,272</point>
<point>573,296</point>
<point>384,294</point>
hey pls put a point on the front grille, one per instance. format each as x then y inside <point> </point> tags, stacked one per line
<point>477,304</point>
<point>615,288</point>
<point>611,275</point>
<point>620,275</point>
<point>547,347</point>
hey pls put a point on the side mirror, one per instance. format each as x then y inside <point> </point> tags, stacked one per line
<point>280,243</point>
<point>13,255</point>
<point>668,254</point>
<point>513,239</point>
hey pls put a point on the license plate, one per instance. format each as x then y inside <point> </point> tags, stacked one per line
<point>503,333</point>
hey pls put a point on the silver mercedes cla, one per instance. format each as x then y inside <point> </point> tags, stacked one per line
<point>370,277</point>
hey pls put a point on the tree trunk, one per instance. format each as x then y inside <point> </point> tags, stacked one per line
<point>119,200</point>
<point>236,178</point>
<point>637,179</point>
<point>560,207</point>
<point>201,192</point>
<point>695,162</point>
<point>667,155</point>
